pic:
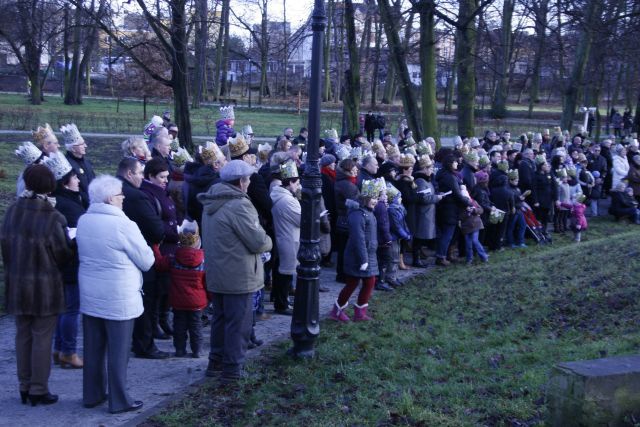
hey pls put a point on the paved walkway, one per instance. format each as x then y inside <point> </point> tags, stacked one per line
<point>152,381</point>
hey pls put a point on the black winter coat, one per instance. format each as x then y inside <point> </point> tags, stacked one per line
<point>344,189</point>
<point>495,175</point>
<point>410,199</point>
<point>526,172</point>
<point>545,191</point>
<point>451,206</point>
<point>138,208</point>
<point>502,196</point>
<point>468,177</point>
<point>166,209</point>
<point>481,195</point>
<point>71,205</point>
<point>84,171</point>
<point>199,178</point>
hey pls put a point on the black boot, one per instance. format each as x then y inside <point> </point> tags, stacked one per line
<point>165,324</point>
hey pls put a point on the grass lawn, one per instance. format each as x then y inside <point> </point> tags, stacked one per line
<point>459,346</point>
<point>97,115</point>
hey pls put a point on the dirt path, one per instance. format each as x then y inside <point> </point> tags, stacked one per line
<point>152,381</point>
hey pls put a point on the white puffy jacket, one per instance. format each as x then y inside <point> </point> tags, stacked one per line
<point>112,254</point>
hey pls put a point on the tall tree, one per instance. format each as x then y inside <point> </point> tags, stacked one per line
<point>224,79</point>
<point>426,9</point>
<point>200,47</point>
<point>465,59</point>
<point>397,52</point>
<point>499,107</point>
<point>540,14</point>
<point>351,99</point>
<point>326,94</point>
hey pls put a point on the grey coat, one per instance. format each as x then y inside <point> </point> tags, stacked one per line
<point>362,243</point>
<point>425,209</point>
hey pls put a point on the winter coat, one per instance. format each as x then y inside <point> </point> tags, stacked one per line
<point>622,204</point>
<point>502,196</point>
<point>481,196</point>
<point>370,123</point>
<point>494,175</point>
<point>112,253</point>
<point>362,243</point>
<point>410,198</point>
<point>188,290</point>
<point>83,170</point>
<point>259,195</point>
<point>344,189</point>
<point>526,173</point>
<point>364,175</point>
<point>286,213</point>
<point>470,218</point>
<point>545,191</point>
<point>71,205</point>
<point>564,192</point>
<point>398,222</point>
<point>468,176</point>
<point>139,209</point>
<point>232,240</point>
<point>168,161</point>
<point>329,192</point>
<point>450,206</point>
<point>224,132</point>
<point>165,209</point>
<point>517,194</point>
<point>634,179</point>
<point>34,245</point>
<point>426,208</point>
<point>381,212</point>
<point>199,178</point>
<point>577,217</point>
<point>620,170</point>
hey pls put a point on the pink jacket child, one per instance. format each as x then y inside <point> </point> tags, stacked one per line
<point>578,219</point>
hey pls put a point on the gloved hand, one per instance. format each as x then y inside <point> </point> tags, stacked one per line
<point>364,266</point>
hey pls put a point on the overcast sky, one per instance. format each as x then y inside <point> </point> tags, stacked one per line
<point>297,12</point>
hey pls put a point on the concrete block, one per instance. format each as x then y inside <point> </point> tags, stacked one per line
<point>600,392</point>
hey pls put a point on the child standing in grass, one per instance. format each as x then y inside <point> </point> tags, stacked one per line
<point>578,218</point>
<point>470,225</point>
<point>399,230</point>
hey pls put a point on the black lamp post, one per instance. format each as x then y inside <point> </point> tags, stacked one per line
<point>305,323</point>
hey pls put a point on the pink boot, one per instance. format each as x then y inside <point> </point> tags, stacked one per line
<point>360,313</point>
<point>337,313</point>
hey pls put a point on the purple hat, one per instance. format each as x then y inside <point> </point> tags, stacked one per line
<point>482,176</point>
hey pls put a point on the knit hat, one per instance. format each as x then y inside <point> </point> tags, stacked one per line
<point>503,165</point>
<point>39,179</point>
<point>481,176</point>
<point>513,174</point>
<point>235,169</point>
<point>188,234</point>
<point>289,170</point>
<point>227,113</point>
<point>43,133</point>
<point>406,161</point>
<point>71,135</point>
<point>327,159</point>
<point>211,152</point>
<point>58,165</point>
<point>28,152</point>
<point>424,162</point>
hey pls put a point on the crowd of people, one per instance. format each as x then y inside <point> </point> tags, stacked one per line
<point>176,240</point>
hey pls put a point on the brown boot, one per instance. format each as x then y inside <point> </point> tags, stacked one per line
<point>401,264</point>
<point>71,362</point>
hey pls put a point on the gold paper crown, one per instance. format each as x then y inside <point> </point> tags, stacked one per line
<point>43,133</point>
<point>424,161</point>
<point>71,135</point>
<point>58,164</point>
<point>28,152</point>
<point>227,113</point>
<point>503,165</point>
<point>377,146</point>
<point>238,146</point>
<point>288,170</point>
<point>483,161</point>
<point>372,188</point>
<point>392,150</point>
<point>188,233</point>
<point>406,161</point>
<point>513,174</point>
<point>392,192</point>
<point>211,152</point>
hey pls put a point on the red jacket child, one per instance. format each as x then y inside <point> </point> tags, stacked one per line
<point>188,290</point>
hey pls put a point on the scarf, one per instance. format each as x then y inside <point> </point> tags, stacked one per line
<point>331,173</point>
<point>28,194</point>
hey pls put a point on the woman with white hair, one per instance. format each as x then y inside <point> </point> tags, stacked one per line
<point>112,255</point>
<point>136,147</point>
<point>620,168</point>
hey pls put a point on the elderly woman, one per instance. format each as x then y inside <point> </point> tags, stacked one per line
<point>136,147</point>
<point>34,246</point>
<point>620,168</point>
<point>112,255</point>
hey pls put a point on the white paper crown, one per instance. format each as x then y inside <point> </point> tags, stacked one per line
<point>71,135</point>
<point>265,148</point>
<point>58,164</point>
<point>247,130</point>
<point>28,152</point>
<point>342,152</point>
<point>188,227</point>
<point>227,113</point>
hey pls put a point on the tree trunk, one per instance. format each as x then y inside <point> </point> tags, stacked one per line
<point>465,52</point>
<point>570,95</point>
<point>200,65</point>
<point>219,42</point>
<point>339,43</point>
<point>364,52</point>
<point>428,70</point>
<point>351,98</point>
<point>541,12</point>
<point>72,95</point>
<point>286,49</point>
<point>326,95</point>
<point>36,89</point>
<point>499,107</point>
<point>636,119</point>
<point>224,80</point>
<point>264,54</point>
<point>376,64</point>
<point>179,76</point>
<point>617,84</point>
<point>398,58</point>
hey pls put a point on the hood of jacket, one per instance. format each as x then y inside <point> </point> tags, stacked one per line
<point>219,195</point>
<point>189,257</point>
<point>340,175</point>
<point>278,193</point>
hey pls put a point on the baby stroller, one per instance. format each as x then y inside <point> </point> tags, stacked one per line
<point>534,227</point>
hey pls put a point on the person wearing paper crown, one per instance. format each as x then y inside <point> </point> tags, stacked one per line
<point>516,227</point>
<point>45,139</point>
<point>76,154</point>
<point>286,213</point>
<point>426,207</point>
<point>544,193</point>
<point>360,260</point>
<point>469,168</point>
<point>345,189</point>
<point>151,127</point>
<point>71,204</point>
<point>224,126</point>
<point>204,176</point>
<point>30,155</point>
